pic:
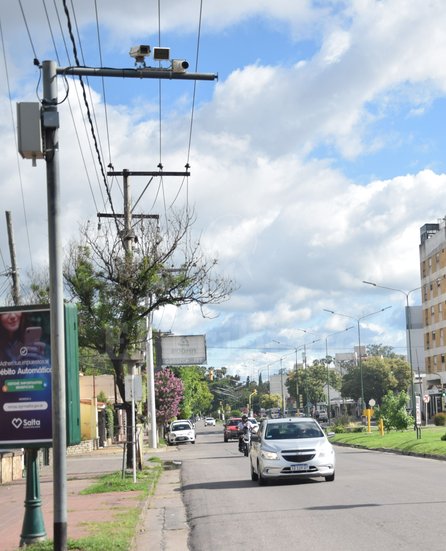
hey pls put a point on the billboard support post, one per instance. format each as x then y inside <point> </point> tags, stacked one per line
<point>33,528</point>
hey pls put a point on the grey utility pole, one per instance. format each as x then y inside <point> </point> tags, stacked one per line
<point>50,124</point>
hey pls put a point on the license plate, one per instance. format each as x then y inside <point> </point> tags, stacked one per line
<point>299,468</point>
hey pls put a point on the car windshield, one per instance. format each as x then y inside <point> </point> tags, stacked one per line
<point>233,423</point>
<point>181,426</point>
<point>285,431</point>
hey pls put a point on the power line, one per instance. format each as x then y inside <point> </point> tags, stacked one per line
<point>98,153</point>
<point>15,142</point>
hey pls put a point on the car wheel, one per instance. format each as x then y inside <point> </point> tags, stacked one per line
<point>330,478</point>
<point>262,481</point>
<point>193,441</point>
<point>225,439</point>
<point>254,475</point>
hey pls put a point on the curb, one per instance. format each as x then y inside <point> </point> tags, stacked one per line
<point>163,521</point>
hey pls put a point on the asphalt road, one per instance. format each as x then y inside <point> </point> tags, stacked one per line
<point>379,501</point>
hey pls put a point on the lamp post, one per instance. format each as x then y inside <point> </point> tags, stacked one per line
<point>408,329</point>
<point>328,371</point>
<point>358,321</point>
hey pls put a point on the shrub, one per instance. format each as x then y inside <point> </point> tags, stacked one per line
<point>393,411</point>
<point>443,437</point>
<point>440,419</point>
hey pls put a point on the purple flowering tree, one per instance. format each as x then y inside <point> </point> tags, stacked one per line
<point>168,395</point>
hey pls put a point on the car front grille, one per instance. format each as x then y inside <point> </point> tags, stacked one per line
<point>298,456</point>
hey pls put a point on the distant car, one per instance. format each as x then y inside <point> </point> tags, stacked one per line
<point>180,431</point>
<point>291,448</point>
<point>230,431</point>
<point>323,416</point>
<point>209,421</point>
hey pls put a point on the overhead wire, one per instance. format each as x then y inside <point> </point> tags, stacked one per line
<point>104,201</point>
<point>25,215</point>
<point>70,108</point>
<point>90,120</point>
<point>103,82</point>
<point>191,124</point>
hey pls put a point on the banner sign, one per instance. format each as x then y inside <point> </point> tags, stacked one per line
<point>181,350</point>
<point>25,376</point>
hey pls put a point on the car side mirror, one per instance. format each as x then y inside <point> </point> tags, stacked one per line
<point>330,434</point>
<point>255,437</point>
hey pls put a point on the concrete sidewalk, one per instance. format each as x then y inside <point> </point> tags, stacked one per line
<point>163,517</point>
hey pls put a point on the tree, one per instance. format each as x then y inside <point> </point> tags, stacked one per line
<point>311,382</point>
<point>380,350</point>
<point>197,397</point>
<point>379,375</point>
<point>268,401</point>
<point>116,288</point>
<point>168,395</point>
<point>393,411</point>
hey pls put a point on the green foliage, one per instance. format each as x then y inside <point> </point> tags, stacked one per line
<point>311,382</point>
<point>113,482</point>
<point>344,424</point>
<point>440,419</point>
<point>102,397</point>
<point>393,411</point>
<point>379,375</point>
<point>380,350</point>
<point>405,441</point>
<point>270,401</point>
<point>197,397</point>
<point>443,437</point>
<point>110,421</point>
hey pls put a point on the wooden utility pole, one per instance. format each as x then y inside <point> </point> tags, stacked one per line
<point>14,272</point>
<point>127,240</point>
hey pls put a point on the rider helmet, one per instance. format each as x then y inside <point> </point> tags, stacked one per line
<point>244,418</point>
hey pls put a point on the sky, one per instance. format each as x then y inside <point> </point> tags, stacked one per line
<point>315,157</point>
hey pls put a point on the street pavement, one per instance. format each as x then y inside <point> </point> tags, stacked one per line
<point>163,523</point>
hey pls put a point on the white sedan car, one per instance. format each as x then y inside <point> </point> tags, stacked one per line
<point>209,421</point>
<point>180,431</point>
<point>291,448</point>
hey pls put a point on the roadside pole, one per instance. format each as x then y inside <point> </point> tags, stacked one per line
<point>50,127</point>
<point>50,122</point>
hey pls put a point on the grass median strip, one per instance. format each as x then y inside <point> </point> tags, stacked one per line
<point>117,532</point>
<point>430,443</point>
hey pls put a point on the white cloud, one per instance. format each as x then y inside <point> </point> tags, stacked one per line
<point>273,158</point>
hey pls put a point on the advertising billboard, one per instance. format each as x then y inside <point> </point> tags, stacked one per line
<point>25,376</point>
<point>181,350</point>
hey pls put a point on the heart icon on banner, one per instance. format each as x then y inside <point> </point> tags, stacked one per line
<point>17,422</point>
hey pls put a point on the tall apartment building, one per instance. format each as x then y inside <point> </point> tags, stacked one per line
<point>433,296</point>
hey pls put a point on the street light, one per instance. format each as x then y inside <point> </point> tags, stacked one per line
<point>358,320</point>
<point>328,372</point>
<point>408,329</point>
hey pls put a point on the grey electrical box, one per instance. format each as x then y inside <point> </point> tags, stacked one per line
<point>29,134</point>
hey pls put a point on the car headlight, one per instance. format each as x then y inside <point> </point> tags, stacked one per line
<point>268,455</point>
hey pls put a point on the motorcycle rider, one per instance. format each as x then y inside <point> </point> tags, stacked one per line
<point>244,425</point>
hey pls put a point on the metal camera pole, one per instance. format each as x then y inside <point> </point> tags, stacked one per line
<point>50,124</point>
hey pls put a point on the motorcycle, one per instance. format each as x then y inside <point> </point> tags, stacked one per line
<point>245,441</point>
